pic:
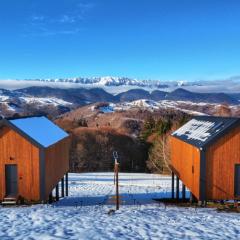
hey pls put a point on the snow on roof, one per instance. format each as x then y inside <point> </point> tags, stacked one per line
<point>40,129</point>
<point>203,129</point>
<point>195,129</point>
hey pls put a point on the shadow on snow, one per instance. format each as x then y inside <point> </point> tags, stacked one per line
<point>125,199</point>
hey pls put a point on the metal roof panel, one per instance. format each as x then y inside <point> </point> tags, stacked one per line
<point>201,130</point>
<point>40,129</point>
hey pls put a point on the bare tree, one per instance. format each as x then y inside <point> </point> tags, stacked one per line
<point>159,155</point>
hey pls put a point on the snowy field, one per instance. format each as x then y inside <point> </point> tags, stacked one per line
<point>84,214</point>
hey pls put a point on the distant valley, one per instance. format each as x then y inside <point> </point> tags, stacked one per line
<point>55,101</point>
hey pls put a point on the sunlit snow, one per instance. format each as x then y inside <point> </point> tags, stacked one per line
<point>84,214</point>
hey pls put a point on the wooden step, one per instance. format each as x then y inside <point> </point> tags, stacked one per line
<point>9,201</point>
<point>5,203</point>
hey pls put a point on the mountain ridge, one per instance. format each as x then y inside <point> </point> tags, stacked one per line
<point>83,95</point>
<point>55,101</point>
<point>107,81</point>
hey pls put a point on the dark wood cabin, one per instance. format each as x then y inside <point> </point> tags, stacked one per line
<point>205,156</point>
<point>34,157</point>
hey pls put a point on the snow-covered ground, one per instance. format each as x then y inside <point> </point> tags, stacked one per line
<point>46,101</point>
<point>154,105</point>
<point>84,214</point>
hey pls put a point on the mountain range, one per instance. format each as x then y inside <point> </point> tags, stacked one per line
<point>117,85</point>
<point>107,81</point>
<point>83,96</point>
<point>59,100</point>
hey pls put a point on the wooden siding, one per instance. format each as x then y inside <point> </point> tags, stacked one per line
<point>15,149</point>
<point>56,164</point>
<point>185,160</point>
<point>221,158</point>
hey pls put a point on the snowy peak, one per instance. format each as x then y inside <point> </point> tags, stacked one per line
<point>107,81</point>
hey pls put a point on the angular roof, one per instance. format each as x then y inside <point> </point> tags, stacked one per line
<point>202,130</point>
<point>39,129</point>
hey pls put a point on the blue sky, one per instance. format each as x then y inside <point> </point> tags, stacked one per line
<point>145,39</point>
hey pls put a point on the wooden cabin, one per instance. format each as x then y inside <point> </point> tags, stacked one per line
<point>205,156</point>
<point>34,157</point>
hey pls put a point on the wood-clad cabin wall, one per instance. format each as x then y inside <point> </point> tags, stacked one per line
<point>185,160</point>
<point>221,158</point>
<point>56,164</point>
<point>14,149</point>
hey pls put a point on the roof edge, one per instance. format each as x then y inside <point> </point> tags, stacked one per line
<point>7,123</point>
<point>68,136</point>
<point>29,116</point>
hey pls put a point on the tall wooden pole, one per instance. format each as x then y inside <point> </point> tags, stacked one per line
<point>117,186</point>
<point>116,166</point>
<point>114,179</point>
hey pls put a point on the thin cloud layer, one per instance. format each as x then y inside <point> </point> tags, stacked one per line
<point>230,85</point>
<point>66,23</point>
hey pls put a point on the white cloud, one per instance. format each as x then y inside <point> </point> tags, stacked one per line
<point>61,32</point>
<point>51,32</point>
<point>62,23</point>
<point>86,6</point>
<point>67,19</point>
<point>37,18</point>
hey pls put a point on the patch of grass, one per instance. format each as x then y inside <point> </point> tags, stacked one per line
<point>221,207</point>
<point>229,207</point>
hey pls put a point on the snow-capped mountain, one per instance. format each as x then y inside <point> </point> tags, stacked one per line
<point>107,81</point>
<point>117,85</point>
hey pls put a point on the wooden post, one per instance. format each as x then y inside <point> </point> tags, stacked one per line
<point>191,198</point>
<point>57,192</point>
<point>183,192</point>
<point>66,184</point>
<point>50,198</point>
<point>62,186</point>
<point>117,186</point>
<point>172,185</point>
<point>177,190</point>
<point>236,203</point>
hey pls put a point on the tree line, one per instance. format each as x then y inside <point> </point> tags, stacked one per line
<point>156,132</point>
